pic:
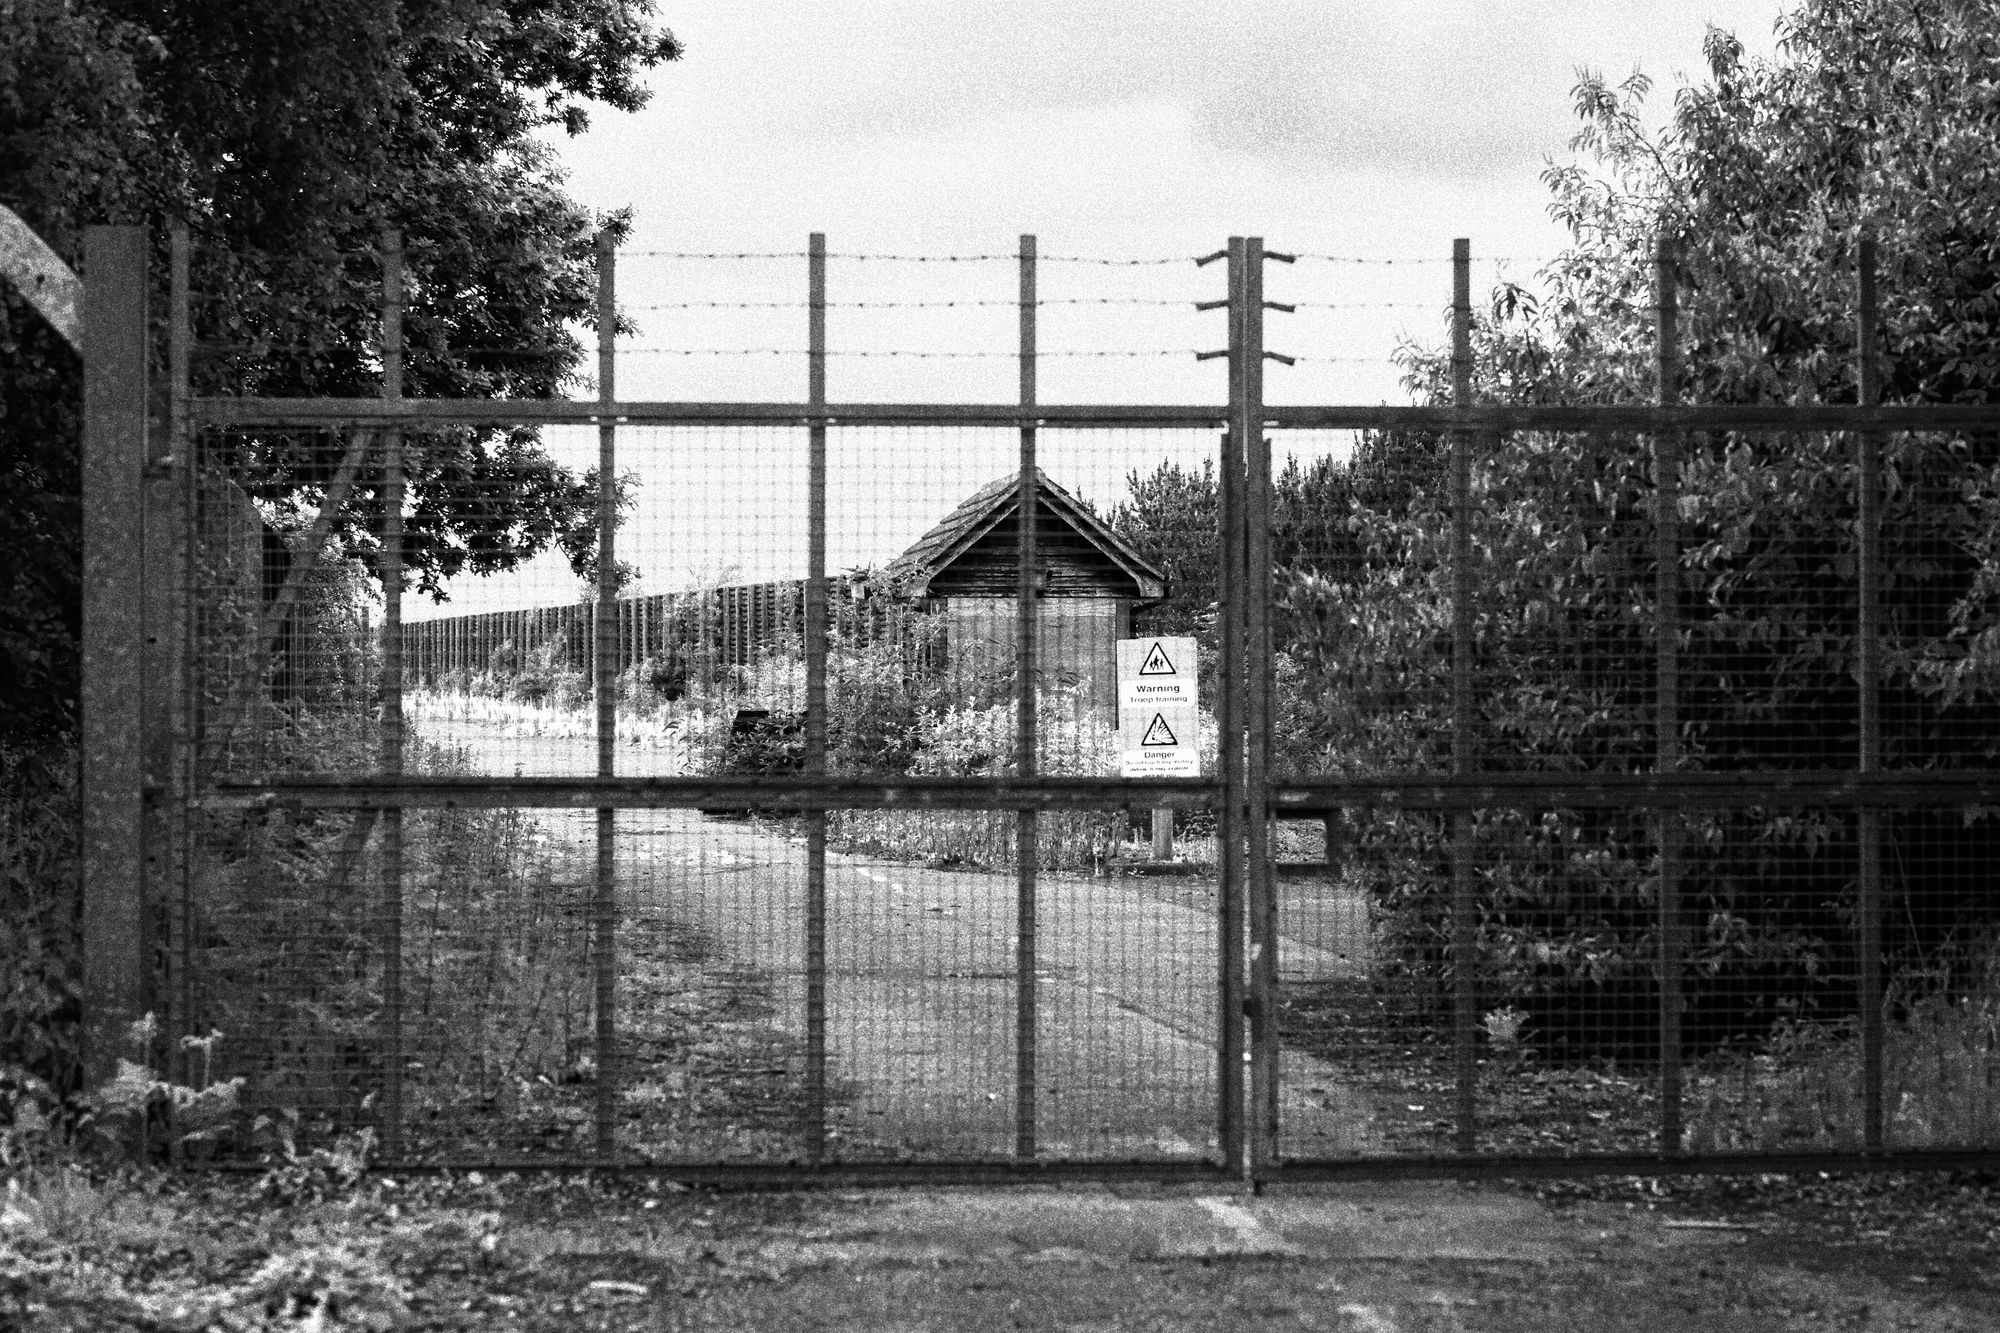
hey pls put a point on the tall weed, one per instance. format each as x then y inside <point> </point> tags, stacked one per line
<point>291,930</point>
<point>1803,1088</point>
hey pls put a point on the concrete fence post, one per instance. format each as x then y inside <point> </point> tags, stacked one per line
<point>116,988</point>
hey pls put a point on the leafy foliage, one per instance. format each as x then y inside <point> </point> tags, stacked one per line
<point>1871,118</point>
<point>1174,518</point>
<point>1763,185</point>
<point>1320,527</point>
<point>288,135</point>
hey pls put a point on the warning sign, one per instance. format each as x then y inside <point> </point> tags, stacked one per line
<point>1155,673</point>
<point>1157,716</point>
<point>1159,744</point>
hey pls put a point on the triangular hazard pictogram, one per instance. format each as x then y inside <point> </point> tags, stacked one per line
<point>1159,733</point>
<point>1156,664</point>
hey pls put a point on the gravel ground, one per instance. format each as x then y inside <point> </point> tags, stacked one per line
<point>545,1254</point>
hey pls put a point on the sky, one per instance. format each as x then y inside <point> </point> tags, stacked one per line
<point>1362,137</point>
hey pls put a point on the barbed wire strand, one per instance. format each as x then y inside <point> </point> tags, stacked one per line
<point>892,258</point>
<point>1101,260</point>
<point>1394,260</point>
<point>1163,302</point>
<point>887,354</point>
<point>907,305</point>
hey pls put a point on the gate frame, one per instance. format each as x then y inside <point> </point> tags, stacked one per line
<point>136,799</point>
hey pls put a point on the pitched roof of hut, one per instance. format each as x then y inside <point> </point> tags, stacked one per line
<point>1066,533</point>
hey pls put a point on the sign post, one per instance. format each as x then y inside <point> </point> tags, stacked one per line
<point>1158,721</point>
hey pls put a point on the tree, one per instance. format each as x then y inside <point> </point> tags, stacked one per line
<point>1876,115</point>
<point>1173,517</point>
<point>289,133</point>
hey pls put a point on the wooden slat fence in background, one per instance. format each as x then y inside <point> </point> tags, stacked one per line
<point>728,626</point>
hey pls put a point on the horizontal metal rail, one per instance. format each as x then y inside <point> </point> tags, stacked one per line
<point>1485,418</point>
<point>1842,788</point>
<point>521,411</point>
<point>1640,417</point>
<point>778,793</point>
<point>1479,1166</point>
<point>1501,1166</point>
<point>768,1175</point>
<point>1301,799</point>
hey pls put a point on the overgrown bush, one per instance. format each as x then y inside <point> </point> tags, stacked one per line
<point>1563,686</point>
<point>543,676</point>
<point>980,742</point>
<point>882,688</point>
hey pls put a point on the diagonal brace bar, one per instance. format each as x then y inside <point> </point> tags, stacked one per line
<point>271,624</point>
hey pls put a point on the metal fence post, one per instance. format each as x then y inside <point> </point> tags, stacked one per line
<point>1230,723</point>
<point>391,695</point>
<point>1868,683</point>
<point>1666,722</point>
<point>1256,586</point>
<point>115,981</point>
<point>1026,828</point>
<point>178,513</point>
<point>604,663</point>
<point>815,646</point>
<point>1464,903</point>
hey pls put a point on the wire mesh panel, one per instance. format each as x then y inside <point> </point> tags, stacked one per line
<point>446,995</point>
<point>711,978</point>
<point>750,789</point>
<point>925,909</point>
<point>284,961</point>
<point>1940,1011</point>
<point>1610,1000</point>
<point>708,523</point>
<point>284,666</point>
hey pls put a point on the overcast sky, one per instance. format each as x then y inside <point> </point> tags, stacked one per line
<point>1137,130</point>
<point>1115,128</point>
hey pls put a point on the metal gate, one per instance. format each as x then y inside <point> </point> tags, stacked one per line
<point>1540,833</point>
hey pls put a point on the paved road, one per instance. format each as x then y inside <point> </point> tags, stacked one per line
<point>920,979</point>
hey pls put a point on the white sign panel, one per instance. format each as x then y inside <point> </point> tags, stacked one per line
<point>1157,717</point>
<point>1155,673</point>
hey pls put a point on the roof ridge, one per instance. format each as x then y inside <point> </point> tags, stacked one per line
<point>985,507</point>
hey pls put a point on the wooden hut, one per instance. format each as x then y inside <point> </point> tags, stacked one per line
<point>1089,578</point>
